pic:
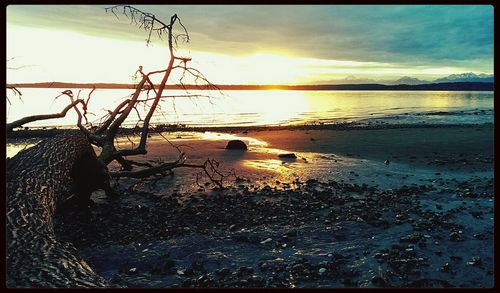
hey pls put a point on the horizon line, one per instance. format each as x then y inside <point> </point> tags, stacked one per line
<point>464,85</point>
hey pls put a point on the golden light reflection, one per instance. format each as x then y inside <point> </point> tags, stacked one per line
<point>226,136</point>
<point>274,108</point>
<point>257,146</point>
<point>270,164</point>
<point>282,110</point>
<point>443,100</point>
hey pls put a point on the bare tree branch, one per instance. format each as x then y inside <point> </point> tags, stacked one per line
<point>104,135</point>
<point>18,123</point>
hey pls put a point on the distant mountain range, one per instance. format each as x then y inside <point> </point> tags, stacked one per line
<point>454,82</point>
<point>463,77</point>
<point>466,77</point>
<point>409,80</point>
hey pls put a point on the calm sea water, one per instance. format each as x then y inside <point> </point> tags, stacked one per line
<point>272,107</point>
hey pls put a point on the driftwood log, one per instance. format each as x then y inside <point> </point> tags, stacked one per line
<point>39,179</point>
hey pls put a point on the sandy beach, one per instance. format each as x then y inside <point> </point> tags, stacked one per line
<point>409,207</point>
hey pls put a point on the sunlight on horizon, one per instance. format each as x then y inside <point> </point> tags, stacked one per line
<point>57,55</point>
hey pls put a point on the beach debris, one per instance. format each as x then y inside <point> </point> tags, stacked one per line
<point>287,156</point>
<point>236,144</point>
<point>387,162</point>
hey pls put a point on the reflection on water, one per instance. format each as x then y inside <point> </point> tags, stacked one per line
<point>226,136</point>
<point>269,164</point>
<point>271,107</point>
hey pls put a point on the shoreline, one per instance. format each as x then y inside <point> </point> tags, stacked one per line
<point>44,131</point>
<point>336,216</point>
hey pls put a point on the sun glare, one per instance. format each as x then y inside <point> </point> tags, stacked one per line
<point>261,68</point>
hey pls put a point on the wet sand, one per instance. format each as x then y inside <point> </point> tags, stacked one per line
<point>336,216</point>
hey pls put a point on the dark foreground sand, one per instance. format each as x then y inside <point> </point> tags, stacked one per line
<point>337,216</point>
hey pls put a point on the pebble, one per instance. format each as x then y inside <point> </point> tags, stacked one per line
<point>266,241</point>
<point>223,272</point>
<point>475,261</point>
<point>446,267</point>
<point>379,282</point>
<point>454,236</point>
<point>322,270</point>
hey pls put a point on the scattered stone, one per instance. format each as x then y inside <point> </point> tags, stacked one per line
<point>387,162</point>
<point>287,156</point>
<point>236,145</point>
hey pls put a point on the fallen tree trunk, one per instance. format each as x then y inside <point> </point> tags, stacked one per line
<point>39,179</point>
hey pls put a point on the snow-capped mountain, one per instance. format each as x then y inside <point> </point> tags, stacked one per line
<point>466,77</point>
<point>408,80</point>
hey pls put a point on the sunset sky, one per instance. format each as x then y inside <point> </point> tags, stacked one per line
<point>253,44</point>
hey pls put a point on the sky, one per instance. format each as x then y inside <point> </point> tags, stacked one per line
<point>241,44</point>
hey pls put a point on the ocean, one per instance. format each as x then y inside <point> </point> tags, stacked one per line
<point>269,107</point>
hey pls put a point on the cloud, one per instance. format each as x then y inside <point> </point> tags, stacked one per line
<point>422,35</point>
